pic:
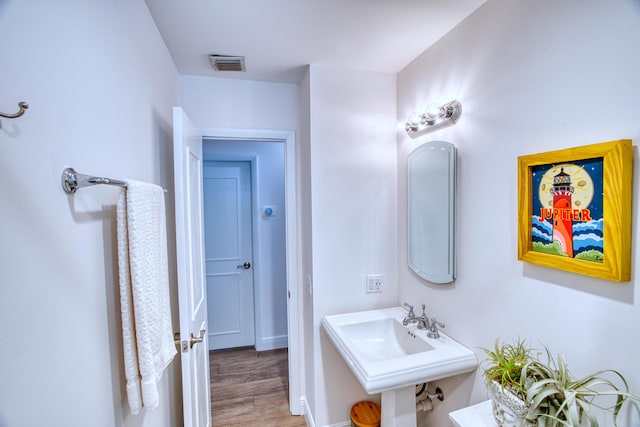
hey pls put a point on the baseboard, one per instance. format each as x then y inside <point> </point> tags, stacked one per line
<point>311,422</point>
<point>298,408</point>
<point>272,343</point>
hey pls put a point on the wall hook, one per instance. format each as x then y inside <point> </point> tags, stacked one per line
<point>23,107</point>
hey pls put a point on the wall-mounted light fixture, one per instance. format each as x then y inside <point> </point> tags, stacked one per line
<point>434,117</point>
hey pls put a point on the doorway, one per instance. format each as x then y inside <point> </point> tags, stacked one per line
<point>288,213</point>
<point>264,227</point>
<point>292,310</point>
<point>188,157</point>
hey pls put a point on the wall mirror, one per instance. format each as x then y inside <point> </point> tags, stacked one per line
<point>431,197</point>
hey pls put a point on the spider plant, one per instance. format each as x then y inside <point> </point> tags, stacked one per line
<point>555,398</point>
<point>504,365</point>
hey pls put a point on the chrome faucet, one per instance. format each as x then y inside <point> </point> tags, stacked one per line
<point>411,317</point>
<point>424,323</point>
<point>423,320</point>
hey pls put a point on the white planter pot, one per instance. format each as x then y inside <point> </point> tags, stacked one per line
<point>508,409</point>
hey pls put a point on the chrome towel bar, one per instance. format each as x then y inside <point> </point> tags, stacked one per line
<point>72,181</point>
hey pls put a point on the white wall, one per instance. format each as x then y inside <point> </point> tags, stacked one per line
<point>532,76</point>
<point>353,181</point>
<point>269,260</point>
<point>213,102</point>
<point>100,84</point>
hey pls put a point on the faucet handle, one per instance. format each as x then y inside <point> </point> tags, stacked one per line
<point>411,313</point>
<point>433,328</point>
<point>435,322</point>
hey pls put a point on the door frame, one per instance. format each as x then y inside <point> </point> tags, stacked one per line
<point>296,398</point>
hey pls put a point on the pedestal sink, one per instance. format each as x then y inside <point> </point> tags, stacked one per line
<point>390,358</point>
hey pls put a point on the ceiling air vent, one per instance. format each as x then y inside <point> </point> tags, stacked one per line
<point>227,63</point>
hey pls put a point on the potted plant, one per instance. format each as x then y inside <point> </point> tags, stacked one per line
<point>555,398</point>
<point>503,372</point>
<point>527,391</point>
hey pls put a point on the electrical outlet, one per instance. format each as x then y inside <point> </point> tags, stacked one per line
<point>374,283</point>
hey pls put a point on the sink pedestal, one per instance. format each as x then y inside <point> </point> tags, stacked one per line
<point>399,407</point>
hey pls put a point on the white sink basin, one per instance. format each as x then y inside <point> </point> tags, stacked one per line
<point>383,339</point>
<point>385,355</point>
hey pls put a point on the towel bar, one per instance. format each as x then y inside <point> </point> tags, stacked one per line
<point>72,181</point>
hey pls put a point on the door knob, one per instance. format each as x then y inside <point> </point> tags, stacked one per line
<point>196,340</point>
<point>246,265</point>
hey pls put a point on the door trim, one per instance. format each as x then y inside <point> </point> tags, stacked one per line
<point>296,375</point>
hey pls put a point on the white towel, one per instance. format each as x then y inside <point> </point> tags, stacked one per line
<point>144,291</point>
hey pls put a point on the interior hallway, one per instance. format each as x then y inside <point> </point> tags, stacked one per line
<point>250,388</point>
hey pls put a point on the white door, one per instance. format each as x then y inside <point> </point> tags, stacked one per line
<point>192,301</point>
<point>228,249</point>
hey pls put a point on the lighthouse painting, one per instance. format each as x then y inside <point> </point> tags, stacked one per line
<point>574,209</point>
<point>567,217</point>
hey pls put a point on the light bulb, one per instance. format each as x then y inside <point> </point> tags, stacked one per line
<point>412,122</point>
<point>431,113</point>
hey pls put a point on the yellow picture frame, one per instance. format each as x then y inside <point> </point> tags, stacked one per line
<point>615,223</point>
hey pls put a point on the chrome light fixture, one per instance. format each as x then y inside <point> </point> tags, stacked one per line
<point>434,117</point>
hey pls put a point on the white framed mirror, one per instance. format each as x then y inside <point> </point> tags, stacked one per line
<point>431,208</point>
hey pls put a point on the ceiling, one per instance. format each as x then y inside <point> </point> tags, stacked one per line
<point>280,37</point>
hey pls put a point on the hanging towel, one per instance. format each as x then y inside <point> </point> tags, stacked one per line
<point>144,291</point>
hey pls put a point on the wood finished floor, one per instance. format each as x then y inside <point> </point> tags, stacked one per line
<point>250,388</point>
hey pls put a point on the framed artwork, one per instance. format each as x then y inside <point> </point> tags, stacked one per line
<point>574,209</point>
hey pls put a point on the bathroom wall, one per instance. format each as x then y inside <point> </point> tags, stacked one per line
<point>353,180</point>
<point>532,76</point>
<point>214,102</point>
<point>100,85</point>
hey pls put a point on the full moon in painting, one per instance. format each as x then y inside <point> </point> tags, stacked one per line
<point>582,185</point>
